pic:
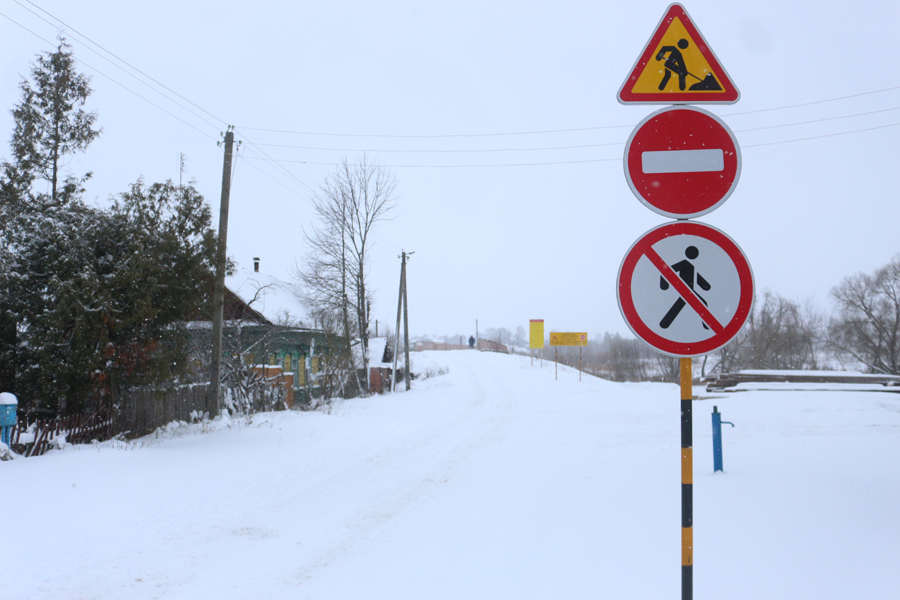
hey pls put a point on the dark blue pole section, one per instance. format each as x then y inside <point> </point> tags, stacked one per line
<point>717,439</point>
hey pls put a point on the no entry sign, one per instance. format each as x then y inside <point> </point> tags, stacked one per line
<point>685,288</point>
<point>682,162</point>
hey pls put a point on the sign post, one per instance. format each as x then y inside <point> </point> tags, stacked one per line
<point>687,479</point>
<point>579,339</point>
<point>684,288</point>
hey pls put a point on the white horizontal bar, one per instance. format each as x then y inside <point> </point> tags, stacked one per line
<point>683,161</point>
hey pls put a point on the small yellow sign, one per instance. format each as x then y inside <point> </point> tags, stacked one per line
<point>536,333</point>
<point>568,339</point>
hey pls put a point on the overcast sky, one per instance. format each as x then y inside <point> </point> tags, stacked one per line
<point>418,86</point>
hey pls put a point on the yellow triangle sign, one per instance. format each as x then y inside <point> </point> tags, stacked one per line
<point>677,66</point>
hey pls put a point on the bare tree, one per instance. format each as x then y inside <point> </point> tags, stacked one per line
<point>780,334</point>
<point>348,206</point>
<point>867,327</point>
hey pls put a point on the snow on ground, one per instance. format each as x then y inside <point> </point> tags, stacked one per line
<point>491,481</point>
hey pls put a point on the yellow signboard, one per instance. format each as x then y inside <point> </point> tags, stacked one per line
<point>536,333</point>
<point>678,66</point>
<point>568,339</point>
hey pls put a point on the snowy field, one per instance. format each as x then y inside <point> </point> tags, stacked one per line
<point>491,481</point>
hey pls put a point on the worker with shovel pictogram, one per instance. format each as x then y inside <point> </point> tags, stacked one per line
<point>675,64</point>
<point>685,270</point>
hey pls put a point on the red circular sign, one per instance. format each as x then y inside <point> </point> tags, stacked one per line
<point>682,162</point>
<point>685,288</point>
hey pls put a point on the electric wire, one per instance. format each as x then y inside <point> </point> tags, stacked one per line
<point>819,137</point>
<point>123,61</point>
<point>280,168</point>
<point>750,112</point>
<point>260,154</point>
<point>549,148</point>
<point>596,160</point>
<point>104,75</point>
<point>549,131</point>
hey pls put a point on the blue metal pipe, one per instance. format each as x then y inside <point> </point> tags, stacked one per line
<point>717,439</point>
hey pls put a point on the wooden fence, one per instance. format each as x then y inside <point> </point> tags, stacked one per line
<point>139,412</point>
<point>35,438</point>
<point>142,411</point>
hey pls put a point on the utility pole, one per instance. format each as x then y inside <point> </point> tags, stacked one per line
<point>180,169</point>
<point>213,395</point>
<point>399,315</point>
<point>402,311</point>
<point>406,324</point>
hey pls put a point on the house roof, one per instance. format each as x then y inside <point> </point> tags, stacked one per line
<point>275,300</point>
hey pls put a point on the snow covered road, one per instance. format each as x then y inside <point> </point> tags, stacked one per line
<point>492,481</point>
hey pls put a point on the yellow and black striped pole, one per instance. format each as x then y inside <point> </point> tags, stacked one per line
<point>687,482</point>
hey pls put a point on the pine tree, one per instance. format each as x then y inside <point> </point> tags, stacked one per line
<point>51,124</point>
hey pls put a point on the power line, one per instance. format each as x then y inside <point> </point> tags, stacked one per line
<point>818,137</point>
<point>548,131</point>
<point>123,61</point>
<point>871,112</point>
<point>550,148</point>
<point>595,160</point>
<point>102,74</point>
<point>443,151</point>
<point>142,73</point>
<point>449,135</point>
<point>278,164</point>
<point>750,112</point>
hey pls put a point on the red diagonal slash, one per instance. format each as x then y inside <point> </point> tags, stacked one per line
<point>683,290</point>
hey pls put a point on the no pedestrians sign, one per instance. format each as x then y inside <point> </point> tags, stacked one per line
<point>685,288</point>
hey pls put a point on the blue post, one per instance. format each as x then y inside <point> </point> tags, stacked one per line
<point>8,406</point>
<point>717,439</point>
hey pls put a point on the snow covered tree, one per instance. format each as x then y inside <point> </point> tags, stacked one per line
<point>98,295</point>
<point>50,124</point>
<point>154,252</point>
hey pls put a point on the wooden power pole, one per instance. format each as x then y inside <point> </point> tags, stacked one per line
<point>213,395</point>
<point>401,311</point>
<point>406,322</point>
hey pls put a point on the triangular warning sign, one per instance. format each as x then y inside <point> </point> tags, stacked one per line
<point>677,66</point>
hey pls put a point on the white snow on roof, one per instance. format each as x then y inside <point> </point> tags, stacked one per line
<point>276,300</point>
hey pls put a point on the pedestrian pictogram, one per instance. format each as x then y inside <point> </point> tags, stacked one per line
<point>682,162</point>
<point>685,288</point>
<point>686,271</point>
<point>677,66</point>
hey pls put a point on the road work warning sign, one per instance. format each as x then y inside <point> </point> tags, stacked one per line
<point>677,66</point>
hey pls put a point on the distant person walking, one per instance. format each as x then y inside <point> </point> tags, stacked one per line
<point>674,64</point>
<point>471,341</point>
